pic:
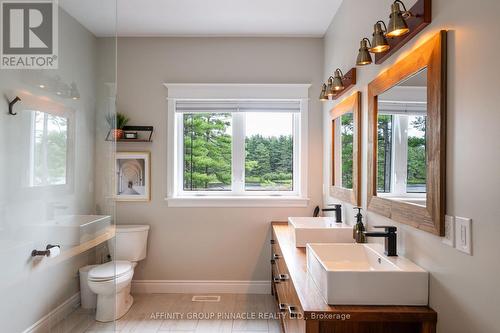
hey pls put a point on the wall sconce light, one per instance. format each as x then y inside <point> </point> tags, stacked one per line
<point>379,42</point>
<point>403,23</point>
<point>73,92</point>
<point>338,85</point>
<point>43,84</point>
<point>329,90</point>
<point>397,20</point>
<point>323,96</point>
<point>364,56</point>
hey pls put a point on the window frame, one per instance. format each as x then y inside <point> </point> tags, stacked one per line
<point>177,197</point>
<point>238,184</point>
<point>31,104</point>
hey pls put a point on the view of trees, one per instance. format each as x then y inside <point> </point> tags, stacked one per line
<point>50,149</point>
<point>269,163</point>
<point>384,153</point>
<point>207,151</point>
<point>269,160</point>
<point>207,156</point>
<point>416,179</point>
<point>416,161</point>
<point>347,131</point>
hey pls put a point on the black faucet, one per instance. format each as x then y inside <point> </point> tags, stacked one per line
<point>338,212</point>
<point>390,239</point>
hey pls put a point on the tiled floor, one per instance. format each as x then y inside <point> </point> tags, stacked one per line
<point>177,313</point>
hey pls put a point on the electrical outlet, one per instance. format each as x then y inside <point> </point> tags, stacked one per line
<point>463,236</point>
<point>449,231</point>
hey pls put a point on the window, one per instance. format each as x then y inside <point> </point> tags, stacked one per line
<point>269,151</point>
<point>347,141</point>
<point>416,170</point>
<point>401,153</point>
<point>245,151</point>
<point>238,147</point>
<point>207,152</point>
<point>49,149</point>
<point>385,148</point>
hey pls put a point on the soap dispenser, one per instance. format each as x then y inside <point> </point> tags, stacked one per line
<point>358,232</point>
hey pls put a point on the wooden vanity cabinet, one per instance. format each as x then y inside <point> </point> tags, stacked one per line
<point>303,310</point>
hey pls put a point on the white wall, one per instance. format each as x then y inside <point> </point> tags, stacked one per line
<point>29,290</point>
<point>209,243</point>
<point>464,289</point>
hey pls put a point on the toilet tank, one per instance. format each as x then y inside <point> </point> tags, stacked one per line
<point>130,243</point>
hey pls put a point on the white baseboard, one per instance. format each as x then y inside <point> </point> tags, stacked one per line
<point>198,286</point>
<point>55,316</point>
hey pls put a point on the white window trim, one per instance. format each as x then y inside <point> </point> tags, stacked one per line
<point>297,92</point>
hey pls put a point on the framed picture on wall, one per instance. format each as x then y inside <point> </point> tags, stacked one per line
<point>133,176</point>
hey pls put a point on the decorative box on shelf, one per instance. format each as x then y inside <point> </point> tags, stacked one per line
<point>133,134</point>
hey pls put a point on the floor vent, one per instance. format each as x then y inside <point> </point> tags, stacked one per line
<point>206,299</point>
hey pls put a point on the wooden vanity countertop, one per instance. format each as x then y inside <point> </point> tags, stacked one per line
<point>313,304</point>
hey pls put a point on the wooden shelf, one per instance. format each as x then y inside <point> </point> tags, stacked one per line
<point>132,140</point>
<point>148,129</point>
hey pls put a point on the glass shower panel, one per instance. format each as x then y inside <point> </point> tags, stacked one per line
<point>56,169</point>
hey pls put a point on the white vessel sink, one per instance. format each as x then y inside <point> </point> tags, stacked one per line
<point>360,274</point>
<point>318,230</point>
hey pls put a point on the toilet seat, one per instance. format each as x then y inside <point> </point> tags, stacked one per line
<point>110,271</point>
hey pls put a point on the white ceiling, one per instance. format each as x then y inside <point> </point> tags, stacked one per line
<point>204,17</point>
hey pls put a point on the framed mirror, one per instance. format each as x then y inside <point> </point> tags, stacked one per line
<point>407,139</point>
<point>346,147</point>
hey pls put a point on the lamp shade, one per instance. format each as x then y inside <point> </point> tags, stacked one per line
<point>364,56</point>
<point>337,80</point>
<point>329,90</point>
<point>323,96</point>
<point>74,93</point>
<point>397,24</point>
<point>379,42</point>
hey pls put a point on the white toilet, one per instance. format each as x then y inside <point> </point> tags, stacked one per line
<point>111,281</point>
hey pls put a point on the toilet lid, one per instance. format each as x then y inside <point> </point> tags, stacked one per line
<point>110,270</point>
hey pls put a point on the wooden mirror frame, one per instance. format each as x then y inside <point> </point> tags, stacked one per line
<point>350,104</point>
<point>431,55</point>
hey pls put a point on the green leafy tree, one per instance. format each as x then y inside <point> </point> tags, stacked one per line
<point>347,131</point>
<point>207,151</point>
<point>207,156</point>
<point>384,153</point>
<point>269,162</point>
<point>416,153</point>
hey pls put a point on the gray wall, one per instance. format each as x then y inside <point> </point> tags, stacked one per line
<point>463,289</point>
<point>29,291</point>
<point>209,243</point>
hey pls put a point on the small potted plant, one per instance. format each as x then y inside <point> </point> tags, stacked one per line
<point>116,124</point>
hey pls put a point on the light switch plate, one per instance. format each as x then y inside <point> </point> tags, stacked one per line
<point>463,236</point>
<point>449,231</point>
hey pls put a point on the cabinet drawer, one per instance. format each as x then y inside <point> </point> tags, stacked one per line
<point>280,289</point>
<point>288,301</point>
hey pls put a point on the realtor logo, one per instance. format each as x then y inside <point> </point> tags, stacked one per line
<point>29,34</point>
